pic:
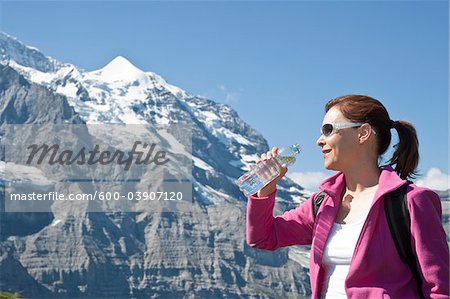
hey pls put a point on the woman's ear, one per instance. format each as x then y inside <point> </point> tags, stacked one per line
<point>364,132</point>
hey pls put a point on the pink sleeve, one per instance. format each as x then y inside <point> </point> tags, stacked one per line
<point>265,231</point>
<point>430,242</point>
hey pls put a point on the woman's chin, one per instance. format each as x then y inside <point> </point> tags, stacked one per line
<point>330,166</point>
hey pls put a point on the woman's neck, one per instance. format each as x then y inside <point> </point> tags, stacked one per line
<point>362,177</point>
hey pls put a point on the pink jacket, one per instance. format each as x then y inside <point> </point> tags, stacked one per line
<point>376,270</point>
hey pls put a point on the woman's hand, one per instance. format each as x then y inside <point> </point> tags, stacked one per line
<point>270,188</point>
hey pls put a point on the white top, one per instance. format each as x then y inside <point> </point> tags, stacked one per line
<point>337,256</point>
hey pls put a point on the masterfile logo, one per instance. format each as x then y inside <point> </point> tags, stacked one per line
<point>112,165</point>
<point>55,155</point>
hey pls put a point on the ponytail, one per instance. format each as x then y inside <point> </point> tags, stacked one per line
<point>406,154</point>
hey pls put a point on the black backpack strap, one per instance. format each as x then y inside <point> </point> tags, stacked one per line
<point>317,202</point>
<point>397,214</point>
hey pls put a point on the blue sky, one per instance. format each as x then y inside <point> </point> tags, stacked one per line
<point>275,63</point>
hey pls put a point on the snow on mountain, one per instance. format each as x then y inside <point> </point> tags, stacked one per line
<point>12,49</point>
<point>25,174</point>
<point>120,69</point>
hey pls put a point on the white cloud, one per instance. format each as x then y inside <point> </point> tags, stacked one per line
<point>308,180</point>
<point>435,179</point>
<point>230,96</point>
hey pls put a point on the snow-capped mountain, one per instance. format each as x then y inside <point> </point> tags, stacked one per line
<point>12,50</point>
<point>201,252</point>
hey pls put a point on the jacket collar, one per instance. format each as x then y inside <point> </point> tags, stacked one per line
<point>388,181</point>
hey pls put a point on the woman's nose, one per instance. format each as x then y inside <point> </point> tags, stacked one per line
<point>320,141</point>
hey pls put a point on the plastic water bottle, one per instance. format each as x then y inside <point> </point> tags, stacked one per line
<point>265,172</point>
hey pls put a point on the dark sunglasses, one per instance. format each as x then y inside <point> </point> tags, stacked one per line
<point>330,129</point>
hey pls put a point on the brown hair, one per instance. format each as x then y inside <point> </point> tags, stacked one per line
<point>364,109</point>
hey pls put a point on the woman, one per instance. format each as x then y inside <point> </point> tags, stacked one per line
<point>353,254</point>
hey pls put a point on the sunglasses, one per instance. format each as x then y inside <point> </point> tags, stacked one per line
<point>330,129</point>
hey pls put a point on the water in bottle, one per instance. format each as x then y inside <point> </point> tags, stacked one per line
<point>264,172</point>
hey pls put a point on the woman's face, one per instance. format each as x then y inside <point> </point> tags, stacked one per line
<point>340,148</point>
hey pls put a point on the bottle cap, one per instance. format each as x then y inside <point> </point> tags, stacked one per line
<point>296,148</point>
